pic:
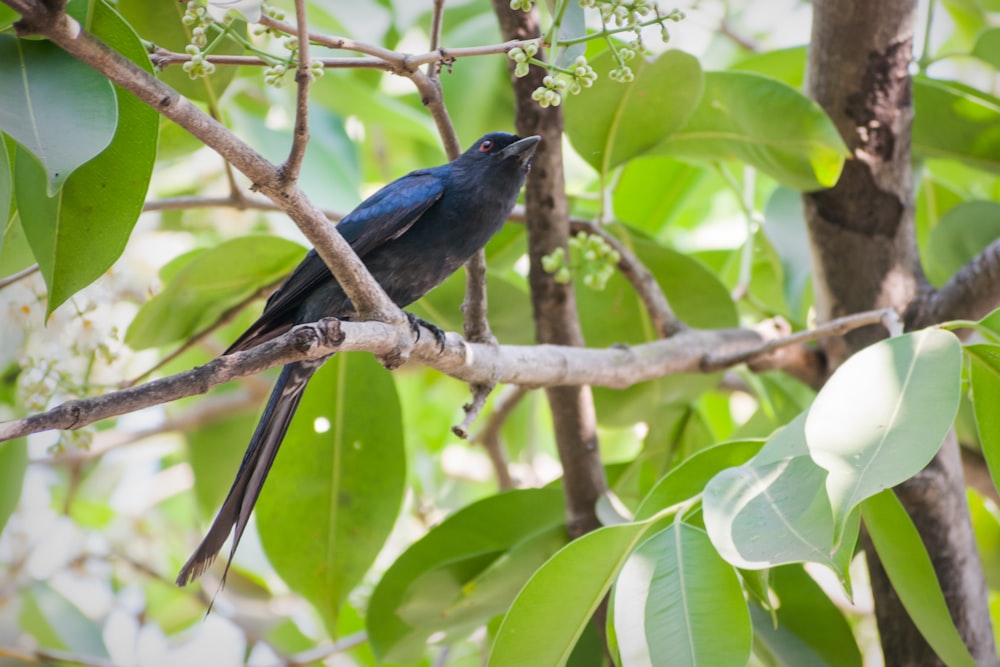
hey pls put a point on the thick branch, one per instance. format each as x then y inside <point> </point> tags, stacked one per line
<point>970,294</point>
<point>690,351</point>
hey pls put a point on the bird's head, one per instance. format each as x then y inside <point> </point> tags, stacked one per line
<point>502,148</point>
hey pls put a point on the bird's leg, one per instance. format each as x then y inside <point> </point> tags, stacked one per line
<point>417,322</point>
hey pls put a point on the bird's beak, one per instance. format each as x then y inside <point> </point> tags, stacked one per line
<point>522,149</point>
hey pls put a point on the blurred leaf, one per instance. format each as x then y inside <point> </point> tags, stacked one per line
<point>987,47</point>
<point>786,65</point>
<point>213,448</point>
<point>54,622</point>
<point>612,122</point>
<point>13,465</point>
<point>212,282</point>
<point>986,525</point>
<point>883,414</point>
<point>960,235</point>
<point>811,629</point>
<point>671,598</point>
<point>690,477</point>
<point>502,532</point>
<point>78,234</point>
<point>766,124</point>
<point>905,560</point>
<point>653,191</point>
<point>6,187</point>
<point>335,491</point>
<point>551,611</point>
<point>785,228</point>
<point>46,91</point>
<point>957,122</point>
<point>985,376</point>
<point>160,23</point>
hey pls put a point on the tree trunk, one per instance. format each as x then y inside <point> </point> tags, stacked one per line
<point>865,256</point>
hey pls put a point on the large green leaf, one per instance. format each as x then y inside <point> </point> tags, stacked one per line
<point>955,121</point>
<point>985,376</point>
<point>612,122</point>
<point>774,509</point>
<point>213,281</point>
<point>883,415</point>
<point>671,599</point>
<point>785,228</point>
<point>81,231</point>
<point>6,188</point>
<point>335,491</point>
<point>911,572</point>
<point>765,123</point>
<point>961,233</point>
<point>56,107</point>
<point>551,611</point>
<point>467,562</point>
<point>160,23</point>
<point>214,447</point>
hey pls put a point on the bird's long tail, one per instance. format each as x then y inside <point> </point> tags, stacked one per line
<point>253,470</point>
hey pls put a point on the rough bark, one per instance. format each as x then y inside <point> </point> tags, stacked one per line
<point>865,256</point>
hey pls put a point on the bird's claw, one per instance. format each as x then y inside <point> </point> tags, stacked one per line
<point>417,322</point>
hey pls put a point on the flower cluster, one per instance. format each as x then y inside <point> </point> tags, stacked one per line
<point>522,56</point>
<point>523,5</point>
<point>590,257</point>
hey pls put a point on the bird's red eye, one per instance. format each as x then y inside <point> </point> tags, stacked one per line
<point>486,146</point>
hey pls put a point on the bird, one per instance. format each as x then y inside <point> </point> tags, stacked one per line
<point>411,235</point>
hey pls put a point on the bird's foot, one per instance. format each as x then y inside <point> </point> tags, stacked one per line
<point>417,322</point>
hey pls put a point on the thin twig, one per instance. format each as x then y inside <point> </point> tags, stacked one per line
<point>303,77</point>
<point>489,437</point>
<point>836,327</point>
<point>164,58</point>
<point>14,277</point>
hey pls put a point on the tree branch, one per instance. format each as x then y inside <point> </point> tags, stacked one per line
<point>970,294</point>
<point>690,351</point>
<point>303,77</point>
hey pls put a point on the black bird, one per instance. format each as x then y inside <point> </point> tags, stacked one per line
<point>411,234</point>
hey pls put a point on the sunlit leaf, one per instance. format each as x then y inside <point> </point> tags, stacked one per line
<point>671,598</point>
<point>883,415</point>
<point>985,376</point>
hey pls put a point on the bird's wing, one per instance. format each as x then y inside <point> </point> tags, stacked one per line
<point>384,216</point>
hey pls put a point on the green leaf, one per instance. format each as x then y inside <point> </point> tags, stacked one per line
<point>160,23</point>
<point>498,535</point>
<point>213,447</point>
<point>672,597</point>
<point>911,573</point>
<point>787,65</point>
<point>955,121</point>
<point>333,494</point>
<point>13,465</point>
<point>785,228</point>
<point>47,92</point>
<point>985,376</point>
<point>551,611</point>
<point>961,233</point>
<point>883,415</point>
<point>81,231</point>
<point>987,47</point>
<point>765,123</point>
<point>810,627</point>
<point>612,122</point>
<point>212,282</point>
<point>691,476</point>
<point>55,622</point>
